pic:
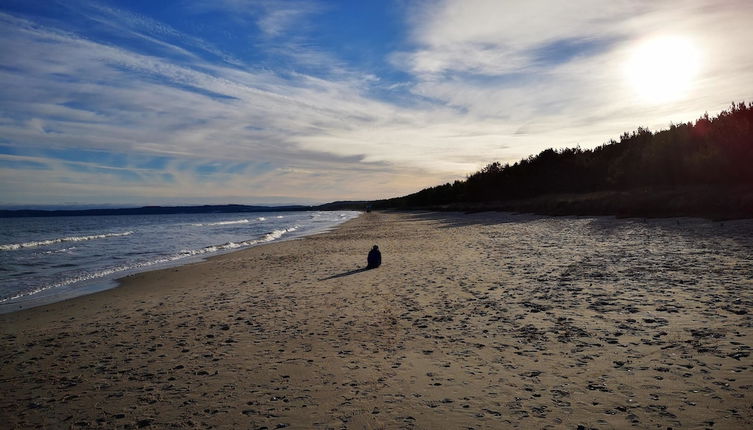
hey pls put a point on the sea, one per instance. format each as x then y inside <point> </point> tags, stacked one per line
<point>49,259</point>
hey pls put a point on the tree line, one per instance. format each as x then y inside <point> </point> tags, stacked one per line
<point>712,151</point>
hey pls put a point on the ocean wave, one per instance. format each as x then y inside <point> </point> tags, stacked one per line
<point>239,221</point>
<point>273,235</point>
<point>268,237</point>
<point>58,251</point>
<point>17,246</point>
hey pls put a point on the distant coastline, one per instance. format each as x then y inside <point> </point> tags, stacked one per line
<point>162,210</point>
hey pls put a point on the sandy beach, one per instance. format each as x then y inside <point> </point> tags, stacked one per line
<point>479,321</point>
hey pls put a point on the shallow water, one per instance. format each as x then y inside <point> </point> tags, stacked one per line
<point>44,260</point>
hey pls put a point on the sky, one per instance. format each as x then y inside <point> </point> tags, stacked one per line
<point>273,102</point>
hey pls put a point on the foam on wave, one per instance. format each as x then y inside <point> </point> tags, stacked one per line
<point>268,237</point>
<point>240,221</point>
<point>17,246</point>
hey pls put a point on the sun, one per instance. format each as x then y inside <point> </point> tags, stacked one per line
<point>663,69</point>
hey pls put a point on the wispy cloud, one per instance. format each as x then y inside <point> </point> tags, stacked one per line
<point>488,37</point>
<point>115,103</point>
<point>552,68</point>
<point>107,98</point>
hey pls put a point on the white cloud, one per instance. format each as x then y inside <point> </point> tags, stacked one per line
<point>108,98</point>
<point>555,69</point>
<point>489,81</point>
<point>490,37</point>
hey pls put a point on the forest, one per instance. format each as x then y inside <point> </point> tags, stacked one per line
<point>687,169</point>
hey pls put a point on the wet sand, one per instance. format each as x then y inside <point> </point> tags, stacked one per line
<point>473,321</point>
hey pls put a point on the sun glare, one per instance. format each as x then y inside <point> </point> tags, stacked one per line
<point>663,69</point>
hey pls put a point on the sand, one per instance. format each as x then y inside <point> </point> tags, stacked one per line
<point>472,321</point>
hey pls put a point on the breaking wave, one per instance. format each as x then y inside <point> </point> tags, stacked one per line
<point>239,221</point>
<point>268,237</point>
<point>16,246</point>
<point>273,235</point>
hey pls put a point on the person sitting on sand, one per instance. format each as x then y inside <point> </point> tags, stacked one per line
<point>374,259</point>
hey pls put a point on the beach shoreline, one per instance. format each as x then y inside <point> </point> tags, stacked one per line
<point>457,329</point>
<point>38,273</point>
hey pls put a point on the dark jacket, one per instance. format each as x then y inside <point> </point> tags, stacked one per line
<point>375,258</point>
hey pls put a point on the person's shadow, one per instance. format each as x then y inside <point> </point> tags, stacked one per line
<point>352,272</point>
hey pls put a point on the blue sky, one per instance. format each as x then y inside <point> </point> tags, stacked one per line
<point>256,101</point>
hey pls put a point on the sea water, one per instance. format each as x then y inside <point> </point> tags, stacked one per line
<point>48,259</point>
